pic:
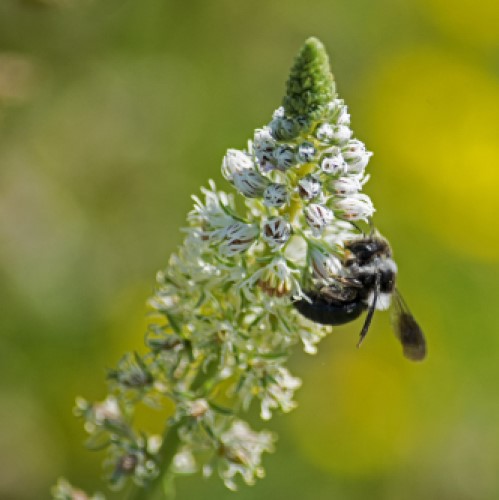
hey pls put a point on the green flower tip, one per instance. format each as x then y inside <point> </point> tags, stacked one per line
<point>310,85</point>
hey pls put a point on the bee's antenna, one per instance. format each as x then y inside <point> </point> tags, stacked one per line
<point>370,313</point>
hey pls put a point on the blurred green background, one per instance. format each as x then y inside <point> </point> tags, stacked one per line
<point>112,112</point>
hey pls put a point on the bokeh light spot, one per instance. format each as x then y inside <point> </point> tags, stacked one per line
<point>471,21</point>
<point>437,140</point>
<point>356,421</point>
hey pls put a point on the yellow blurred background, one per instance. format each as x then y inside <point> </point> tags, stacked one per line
<point>113,112</point>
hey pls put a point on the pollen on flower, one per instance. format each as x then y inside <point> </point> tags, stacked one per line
<point>276,279</point>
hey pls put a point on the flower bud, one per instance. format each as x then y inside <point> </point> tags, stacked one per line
<point>250,183</point>
<point>284,128</point>
<point>306,152</point>
<point>278,113</point>
<point>356,156</point>
<point>263,146</point>
<point>341,133</point>
<point>284,156</point>
<point>318,217</point>
<point>355,207</point>
<point>309,187</point>
<point>236,161</point>
<point>324,132</point>
<point>333,163</point>
<point>275,195</point>
<point>343,116</point>
<point>345,186</point>
<point>338,112</point>
<point>276,232</point>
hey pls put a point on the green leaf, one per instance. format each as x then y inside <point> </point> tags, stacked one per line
<point>221,409</point>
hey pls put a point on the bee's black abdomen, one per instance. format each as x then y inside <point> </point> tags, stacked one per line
<point>329,312</point>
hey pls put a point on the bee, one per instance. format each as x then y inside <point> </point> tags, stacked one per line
<point>367,280</point>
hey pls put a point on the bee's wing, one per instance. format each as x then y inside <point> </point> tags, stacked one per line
<point>407,330</point>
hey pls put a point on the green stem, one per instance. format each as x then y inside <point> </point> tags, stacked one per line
<point>166,453</point>
<point>168,450</point>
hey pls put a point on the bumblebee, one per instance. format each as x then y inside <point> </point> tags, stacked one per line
<point>367,280</point>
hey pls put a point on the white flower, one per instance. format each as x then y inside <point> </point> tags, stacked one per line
<point>197,408</point>
<point>345,186</point>
<point>223,323</point>
<point>236,162</point>
<point>211,213</point>
<point>318,217</point>
<point>333,133</point>
<point>65,491</point>
<point>184,461</point>
<point>107,410</point>
<point>309,187</point>
<point>154,443</point>
<point>242,448</point>
<point>333,162</point>
<point>276,279</point>
<point>325,266</point>
<point>250,183</point>
<point>276,386</point>
<point>355,207</point>
<point>356,156</point>
<point>275,195</point>
<point>237,238</point>
<point>276,232</point>
<point>311,336</point>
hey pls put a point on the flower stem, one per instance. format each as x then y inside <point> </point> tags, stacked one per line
<point>166,453</point>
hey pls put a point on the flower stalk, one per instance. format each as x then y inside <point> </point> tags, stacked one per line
<point>223,324</point>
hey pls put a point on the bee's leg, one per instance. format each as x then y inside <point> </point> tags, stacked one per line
<point>371,226</point>
<point>370,312</point>
<point>349,282</point>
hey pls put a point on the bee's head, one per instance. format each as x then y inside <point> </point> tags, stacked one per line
<point>363,251</point>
